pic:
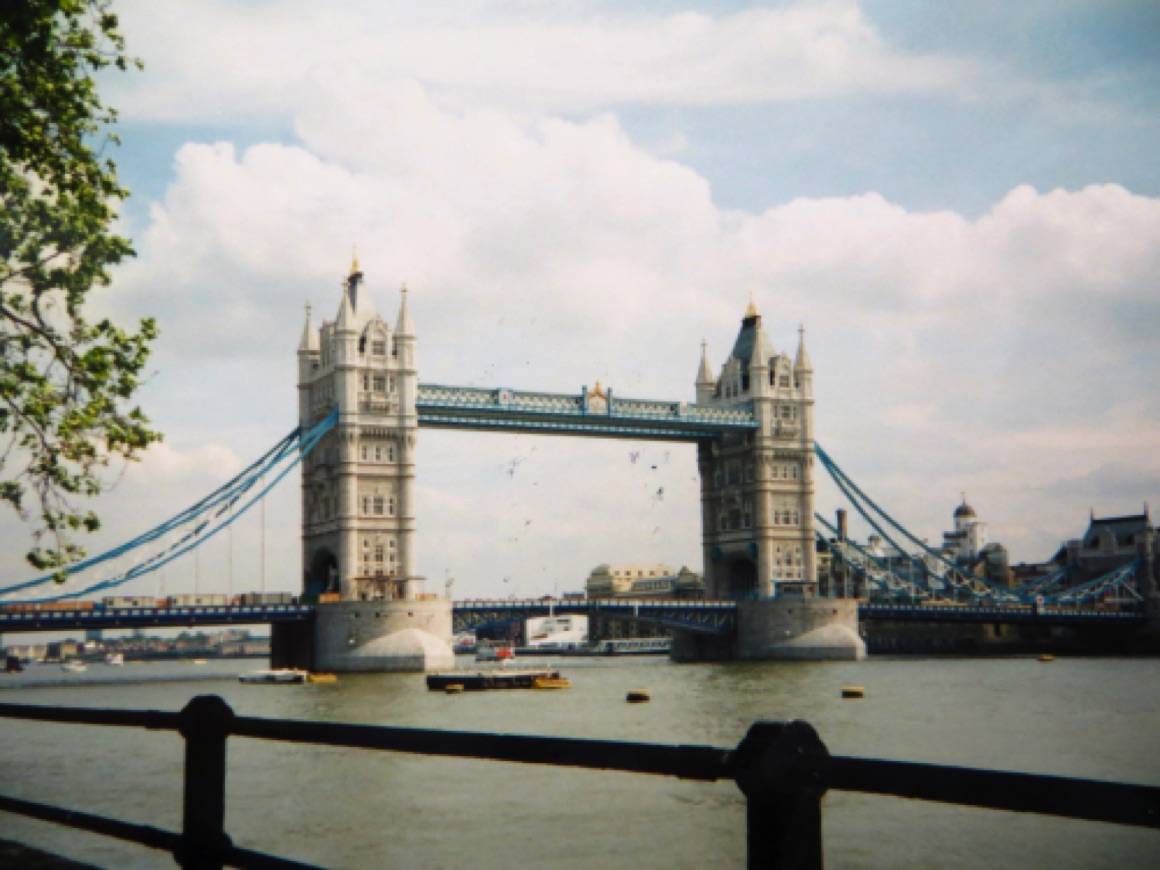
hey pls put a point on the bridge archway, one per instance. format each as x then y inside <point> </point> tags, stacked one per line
<point>742,580</point>
<point>323,574</point>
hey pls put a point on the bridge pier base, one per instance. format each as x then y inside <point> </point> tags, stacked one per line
<point>803,629</point>
<point>369,637</point>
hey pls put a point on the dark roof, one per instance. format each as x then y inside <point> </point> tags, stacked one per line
<point>743,346</point>
<point>1124,528</point>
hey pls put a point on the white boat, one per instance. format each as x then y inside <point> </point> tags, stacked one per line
<point>74,666</point>
<point>636,646</point>
<point>115,658</point>
<point>627,646</point>
<point>278,675</point>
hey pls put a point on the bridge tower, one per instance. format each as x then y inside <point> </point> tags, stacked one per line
<point>757,506</point>
<point>358,522</point>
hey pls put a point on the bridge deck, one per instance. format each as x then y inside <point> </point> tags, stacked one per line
<point>716,617</point>
<point>604,416</point>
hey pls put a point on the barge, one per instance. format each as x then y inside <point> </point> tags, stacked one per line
<point>499,678</point>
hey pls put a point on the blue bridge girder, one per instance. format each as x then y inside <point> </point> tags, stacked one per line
<point>603,416</point>
<point>153,617</point>
<point>706,617</point>
<point>1016,614</point>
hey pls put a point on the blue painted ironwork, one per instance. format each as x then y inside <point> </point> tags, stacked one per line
<point>196,524</point>
<point>885,579</point>
<point>152,617</point>
<point>562,414</point>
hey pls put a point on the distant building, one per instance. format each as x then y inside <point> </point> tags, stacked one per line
<point>643,581</point>
<point>966,542</point>
<point>1109,543</point>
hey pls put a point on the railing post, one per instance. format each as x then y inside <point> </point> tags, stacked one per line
<point>205,723</point>
<point>780,766</point>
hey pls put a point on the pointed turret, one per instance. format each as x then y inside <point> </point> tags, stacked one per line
<point>345,322</point>
<point>404,326</point>
<point>309,342</point>
<point>802,362</point>
<point>705,371</point>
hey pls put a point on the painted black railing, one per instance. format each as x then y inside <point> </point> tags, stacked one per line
<point>782,768</point>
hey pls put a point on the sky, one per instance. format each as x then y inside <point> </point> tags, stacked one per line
<point>959,202</point>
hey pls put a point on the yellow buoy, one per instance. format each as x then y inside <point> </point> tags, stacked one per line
<point>638,696</point>
<point>1047,657</point>
<point>453,688</point>
<point>853,692</point>
<point>321,678</point>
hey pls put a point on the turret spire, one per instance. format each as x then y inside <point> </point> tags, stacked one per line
<point>705,372</point>
<point>752,311</point>
<point>802,362</point>
<point>404,326</point>
<point>309,342</point>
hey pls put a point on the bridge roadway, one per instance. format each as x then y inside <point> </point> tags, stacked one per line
<point>709,617</point>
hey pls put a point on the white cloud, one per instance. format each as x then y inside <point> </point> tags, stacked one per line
<point>213,60</point>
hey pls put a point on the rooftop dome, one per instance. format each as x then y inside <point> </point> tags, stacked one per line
<point>964,510</point>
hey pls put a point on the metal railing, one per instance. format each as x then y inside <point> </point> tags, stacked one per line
<point>782,768</point>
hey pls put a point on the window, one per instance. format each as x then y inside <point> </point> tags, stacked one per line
<point>379,347</point>
<point>366,509</point>
<point>378,454</point>
<point>380,383</point>
<point>365,451</point>
<point>391,507</point>
<point>378,506</point>
<point>783,381</point>
<point>391,383</point>
<point>378,553</point>
<point>390,453</point>
<point>366,382</point>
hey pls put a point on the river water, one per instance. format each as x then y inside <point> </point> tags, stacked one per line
<point>1097,718</point>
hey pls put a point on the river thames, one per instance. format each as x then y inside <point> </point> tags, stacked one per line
<point>1097,718</point>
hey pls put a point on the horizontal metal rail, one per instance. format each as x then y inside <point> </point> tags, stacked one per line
<point>783,768</point>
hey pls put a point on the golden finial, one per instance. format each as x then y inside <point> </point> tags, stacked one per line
<point>354,269</point>
<point>751,311</point>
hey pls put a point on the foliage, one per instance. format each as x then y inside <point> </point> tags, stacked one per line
<point>65,382</point>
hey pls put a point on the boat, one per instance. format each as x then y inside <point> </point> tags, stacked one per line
<point>13,665</point>
<point>321,678</point>
<point>491,678</point>
<point>115,658</point>
<point>501,653</point>
<point>551,683</point>
<point>74,666</point>
<point>275,676</point>
<point>626,646</point>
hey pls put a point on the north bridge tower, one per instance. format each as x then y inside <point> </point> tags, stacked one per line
<point>358,520</point>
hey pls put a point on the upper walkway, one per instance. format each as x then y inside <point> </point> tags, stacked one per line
<point>592,413</point>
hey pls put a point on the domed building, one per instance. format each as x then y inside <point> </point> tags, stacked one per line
<point>966,543</point>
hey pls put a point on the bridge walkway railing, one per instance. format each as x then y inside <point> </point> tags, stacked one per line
<point>782,768</point>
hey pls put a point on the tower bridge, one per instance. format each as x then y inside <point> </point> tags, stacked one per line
<point>361,405</point>
<point>752,424</point>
